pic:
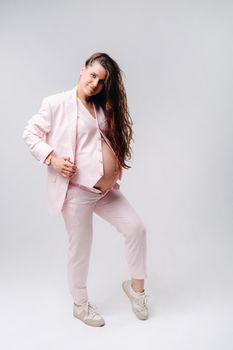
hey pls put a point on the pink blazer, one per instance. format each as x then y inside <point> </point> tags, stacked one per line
<point>54,127</point>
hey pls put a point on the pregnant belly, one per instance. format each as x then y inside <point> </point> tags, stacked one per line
<point>111,169</point>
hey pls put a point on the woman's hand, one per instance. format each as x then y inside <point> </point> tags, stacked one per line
<point>64,166</point>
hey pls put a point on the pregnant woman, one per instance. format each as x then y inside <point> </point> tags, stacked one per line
<point>83,136</point>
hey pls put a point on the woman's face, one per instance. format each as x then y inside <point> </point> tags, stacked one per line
<point>92,79</point>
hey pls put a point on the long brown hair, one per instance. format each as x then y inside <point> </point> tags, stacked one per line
<point>113,100</point>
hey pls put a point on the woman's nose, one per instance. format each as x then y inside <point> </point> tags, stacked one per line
<point>95,83</point>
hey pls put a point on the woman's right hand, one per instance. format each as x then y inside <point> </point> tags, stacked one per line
<point>64,166</point>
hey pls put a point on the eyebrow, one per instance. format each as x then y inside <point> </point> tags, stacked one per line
<point>97,76</point>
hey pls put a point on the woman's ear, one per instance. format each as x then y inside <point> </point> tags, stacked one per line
<point>82,69</point>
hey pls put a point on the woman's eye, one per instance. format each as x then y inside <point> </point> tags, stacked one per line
<point>93,75</point>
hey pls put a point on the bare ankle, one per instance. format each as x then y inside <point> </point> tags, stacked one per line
<point>138,285</point>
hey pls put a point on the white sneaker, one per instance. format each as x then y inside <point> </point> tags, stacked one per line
<point>88,313</point>
<point>138,300</point>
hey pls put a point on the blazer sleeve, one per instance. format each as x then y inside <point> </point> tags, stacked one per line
<point>34,133</point>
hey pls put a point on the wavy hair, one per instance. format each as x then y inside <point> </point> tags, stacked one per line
<point>113,100</point>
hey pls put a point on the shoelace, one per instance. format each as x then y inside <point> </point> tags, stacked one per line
<point>92,310</point>
<point>142,301</point>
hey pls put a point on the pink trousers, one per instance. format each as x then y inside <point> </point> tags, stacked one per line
<point>80,204</point>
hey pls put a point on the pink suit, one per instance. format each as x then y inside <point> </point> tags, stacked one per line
<point>54,127</point>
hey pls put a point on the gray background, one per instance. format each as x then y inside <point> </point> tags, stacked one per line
<point>177,57</point>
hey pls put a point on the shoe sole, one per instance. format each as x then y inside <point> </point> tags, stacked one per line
<point>128,295</point>
<point>88,324</point>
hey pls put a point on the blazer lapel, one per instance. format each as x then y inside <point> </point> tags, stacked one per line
<point>72,113</point>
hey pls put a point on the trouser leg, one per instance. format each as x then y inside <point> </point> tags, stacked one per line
<point>116,209</point>
<point>78,217</point>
